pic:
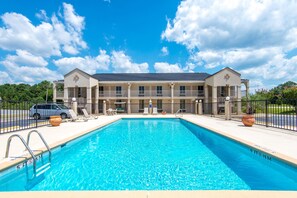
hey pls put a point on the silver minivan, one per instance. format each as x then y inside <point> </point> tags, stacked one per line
<point>39,111</point>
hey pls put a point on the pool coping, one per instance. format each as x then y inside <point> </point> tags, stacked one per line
<point>279,156</point>
<point>151,194</point>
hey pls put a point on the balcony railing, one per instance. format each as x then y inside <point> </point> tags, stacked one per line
<point>188,93</point>
<point>60,94</point>
<point>113,94</point>
<point>152,93</point>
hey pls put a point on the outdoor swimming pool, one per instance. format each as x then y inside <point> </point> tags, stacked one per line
<point>156,154</point>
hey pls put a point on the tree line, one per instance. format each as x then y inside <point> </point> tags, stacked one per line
<point>285,93</point>
<point>40,92</point>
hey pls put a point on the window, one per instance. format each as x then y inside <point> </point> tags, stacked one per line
<point>118,91</point>
<point>159,90</point>
<point>182,90</point>
<point>222,91</point>
<point>159,104</point>
<point>79,92</point>
<point>141,104</point>
<point>200,91</point>
<point>141,91</point>
<point>101,91</point>
<point>232,91</point>
<point>182,105</point>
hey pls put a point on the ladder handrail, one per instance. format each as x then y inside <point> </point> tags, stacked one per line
<point>27,147</point>
<point>179,111</point>
<point>42,139</point>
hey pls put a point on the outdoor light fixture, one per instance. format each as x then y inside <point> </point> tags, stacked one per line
<point>73,99</point>
<point>227,98</point>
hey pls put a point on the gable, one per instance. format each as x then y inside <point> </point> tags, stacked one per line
<point>79,78</point>
<point>226,76</point>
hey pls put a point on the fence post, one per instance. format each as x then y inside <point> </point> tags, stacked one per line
<point>36,120</point>
<point>266,112</point>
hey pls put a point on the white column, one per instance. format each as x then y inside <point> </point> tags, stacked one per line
<point>89,100</point>
<point>129,95</point>
<point>239,99</point>
<point>66,99</point>
<point>54,92</point>
<point>96,99</point>
<point>206,98</point>
<point>228,90</point>
<point>196,106</point>
<point>247,89</point>
<point>172,97</point>
<point>214,100</point>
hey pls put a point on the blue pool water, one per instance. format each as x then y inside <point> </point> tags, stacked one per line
<point>157,154</point>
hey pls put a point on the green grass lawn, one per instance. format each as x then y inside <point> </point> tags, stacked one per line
<point>281,109</point>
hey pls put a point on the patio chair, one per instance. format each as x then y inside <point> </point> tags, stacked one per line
<point>86,114</point>
<point>111,111</point>
<point>145,111</point>
<point>155,111</point>
<point>74,117</point>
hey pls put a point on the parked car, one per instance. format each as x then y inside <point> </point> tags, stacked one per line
<point>46,110</point>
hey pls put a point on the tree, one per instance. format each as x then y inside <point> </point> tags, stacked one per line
<point>291,96</point>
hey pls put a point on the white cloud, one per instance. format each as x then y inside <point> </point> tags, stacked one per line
<point>278,68</point>
<point>5,78</point>
<point>26,58</point>
<point>163,67</point>
<point>72,19</point>
<point>27,74</point>
<point>42,15</point>
<point>87,63</point>
<point>46,39</point>
<point>251,36</point>
<point>164,51</point>
<point>122,63</point>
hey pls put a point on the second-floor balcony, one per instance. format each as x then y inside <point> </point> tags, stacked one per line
<point>151,93</point>
<point>60,94</point>
<point>188,93</point>
<point>113,94</point>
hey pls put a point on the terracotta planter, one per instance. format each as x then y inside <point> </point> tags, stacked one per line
<point>55,120</point>
<point>163,112</point>
<point>248,120</point>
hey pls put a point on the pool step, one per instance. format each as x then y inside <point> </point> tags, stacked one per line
<point>42,169</point>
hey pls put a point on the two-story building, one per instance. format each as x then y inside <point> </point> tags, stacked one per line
<point>132,92</point>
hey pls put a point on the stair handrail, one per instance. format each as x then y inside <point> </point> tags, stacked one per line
<point>42,139</point>
<point>27,147</point>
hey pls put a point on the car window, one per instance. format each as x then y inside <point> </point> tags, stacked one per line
<point>40,106</point>
<point>55,107</point>
<point>47,106</point>
<point>62,106</point>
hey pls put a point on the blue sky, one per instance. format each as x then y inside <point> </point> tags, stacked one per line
<point>45,39</point>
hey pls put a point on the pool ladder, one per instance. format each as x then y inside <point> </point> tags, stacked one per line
<point>179,113</point>
<point>36,171</point>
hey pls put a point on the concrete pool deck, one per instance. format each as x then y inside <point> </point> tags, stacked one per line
<point>277,142</point>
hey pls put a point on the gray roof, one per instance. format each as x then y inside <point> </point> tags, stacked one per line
<point>151,76</point>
